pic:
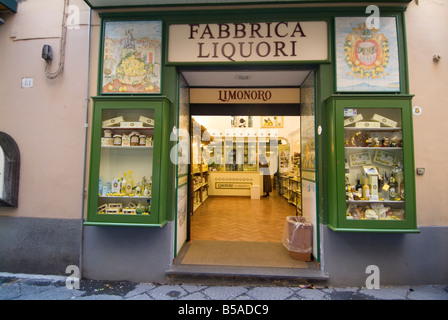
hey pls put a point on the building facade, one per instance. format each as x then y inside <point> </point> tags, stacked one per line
<point>145,59</point>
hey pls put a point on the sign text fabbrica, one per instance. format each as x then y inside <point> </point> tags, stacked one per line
<point>256,41</point>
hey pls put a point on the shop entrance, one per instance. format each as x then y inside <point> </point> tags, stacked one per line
<point>245,176</point>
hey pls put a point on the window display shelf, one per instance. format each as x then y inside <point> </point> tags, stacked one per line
<point>127,164</point>
<point>374,148</point>
<point>373,129</point>
<point>374,186</point>
<point>374,201</point>
<point>128,128</point>
<point>127,147</point>
<point>126,197</point>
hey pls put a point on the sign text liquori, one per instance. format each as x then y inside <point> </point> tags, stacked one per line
<point>259,41</point>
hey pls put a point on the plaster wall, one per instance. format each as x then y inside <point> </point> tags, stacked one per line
<point>427,34</point>
<point>46,120</point>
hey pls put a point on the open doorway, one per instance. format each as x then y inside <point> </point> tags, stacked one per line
<point>236,214</point>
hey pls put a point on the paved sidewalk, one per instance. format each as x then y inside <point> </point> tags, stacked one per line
<point>39,287</point>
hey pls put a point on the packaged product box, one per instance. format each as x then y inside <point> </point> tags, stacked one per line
<point>353,119</point>
<point>116,186</point>
<point>134,124</point>
<point>129,211</point>
<point>113,122</point>
<point>373,187</point>
<point>113,211</point>
<point>385,121</point>
<point>146,120</point>
<point>105,142</point>
<point>367,124</point>
<point>298,237</point>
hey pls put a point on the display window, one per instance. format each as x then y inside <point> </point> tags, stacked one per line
<point>374,165</point>
<point>126,163</point>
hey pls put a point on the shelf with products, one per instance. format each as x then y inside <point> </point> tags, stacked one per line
<point>374,163</point>
<point>199,171</point>
<point>291,189</point>
<point>127,164</point>
<point>374,151</point>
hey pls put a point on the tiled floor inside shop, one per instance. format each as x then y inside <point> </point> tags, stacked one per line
<point>237,236</point>
<point>241,219</point>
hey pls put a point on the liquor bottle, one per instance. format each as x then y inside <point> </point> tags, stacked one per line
<point>402,190</point>
<point>365,189</point>
<point>123,183</point>
<point>129,183</point>
<point>385,187</point>
<point>100,185</point>
<point>358,186</point>
<point>393,187</point>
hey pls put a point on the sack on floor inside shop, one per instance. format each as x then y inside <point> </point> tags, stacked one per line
<point>298,237</point>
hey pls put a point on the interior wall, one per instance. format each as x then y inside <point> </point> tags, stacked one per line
<point>290,124</point>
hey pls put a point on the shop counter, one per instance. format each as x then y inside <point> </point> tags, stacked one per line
<point>228,183</point>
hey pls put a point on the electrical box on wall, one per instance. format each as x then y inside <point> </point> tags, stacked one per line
<point>47,53</point>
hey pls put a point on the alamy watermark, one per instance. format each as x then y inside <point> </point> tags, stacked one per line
<point>73,280</point>
<point>72,17</point>
<point>373,280</point>
<point>235,146</point>
<point>373,21</point>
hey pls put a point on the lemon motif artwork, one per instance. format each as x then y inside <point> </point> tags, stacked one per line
<point>131,57</point>
<point>131,70</point>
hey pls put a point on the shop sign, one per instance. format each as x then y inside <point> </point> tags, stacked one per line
<point>248,42</point>
<point>246,95</point>
<point>232,185</point>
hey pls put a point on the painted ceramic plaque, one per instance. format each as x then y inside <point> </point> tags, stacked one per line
<point>272,122</point>
<point>366,59</point>
<point>132,57</point>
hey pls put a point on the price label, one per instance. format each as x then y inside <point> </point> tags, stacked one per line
<point>350,112</point>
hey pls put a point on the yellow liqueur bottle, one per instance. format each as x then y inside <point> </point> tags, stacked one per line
<point>129,183</point>
<point>365,189</point>
<point>393,187</point>
<point>123,183</point>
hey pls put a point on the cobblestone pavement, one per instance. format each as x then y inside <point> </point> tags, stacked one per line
<point>37,287</point>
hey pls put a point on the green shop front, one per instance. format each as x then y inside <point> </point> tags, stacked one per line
<point>355,179</point>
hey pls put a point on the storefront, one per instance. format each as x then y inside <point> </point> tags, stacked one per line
<point>197,111</point>
<point>171,74</point>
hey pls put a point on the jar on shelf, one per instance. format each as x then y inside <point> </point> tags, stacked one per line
<point>107,133</point>
<point>142,140</point>
<point>134,138</point>
<point>117,140</point>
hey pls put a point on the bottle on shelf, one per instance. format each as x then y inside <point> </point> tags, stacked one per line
<point>123,183</point>
<point>393,187</point>
<point>140,208</point>
<point>385,187</point>
<point>380,185</point>
<point>365,189</point>
<point>358,186</point>
<point>402,190</point>
<point>129,183</point>
<point>100,185</point>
